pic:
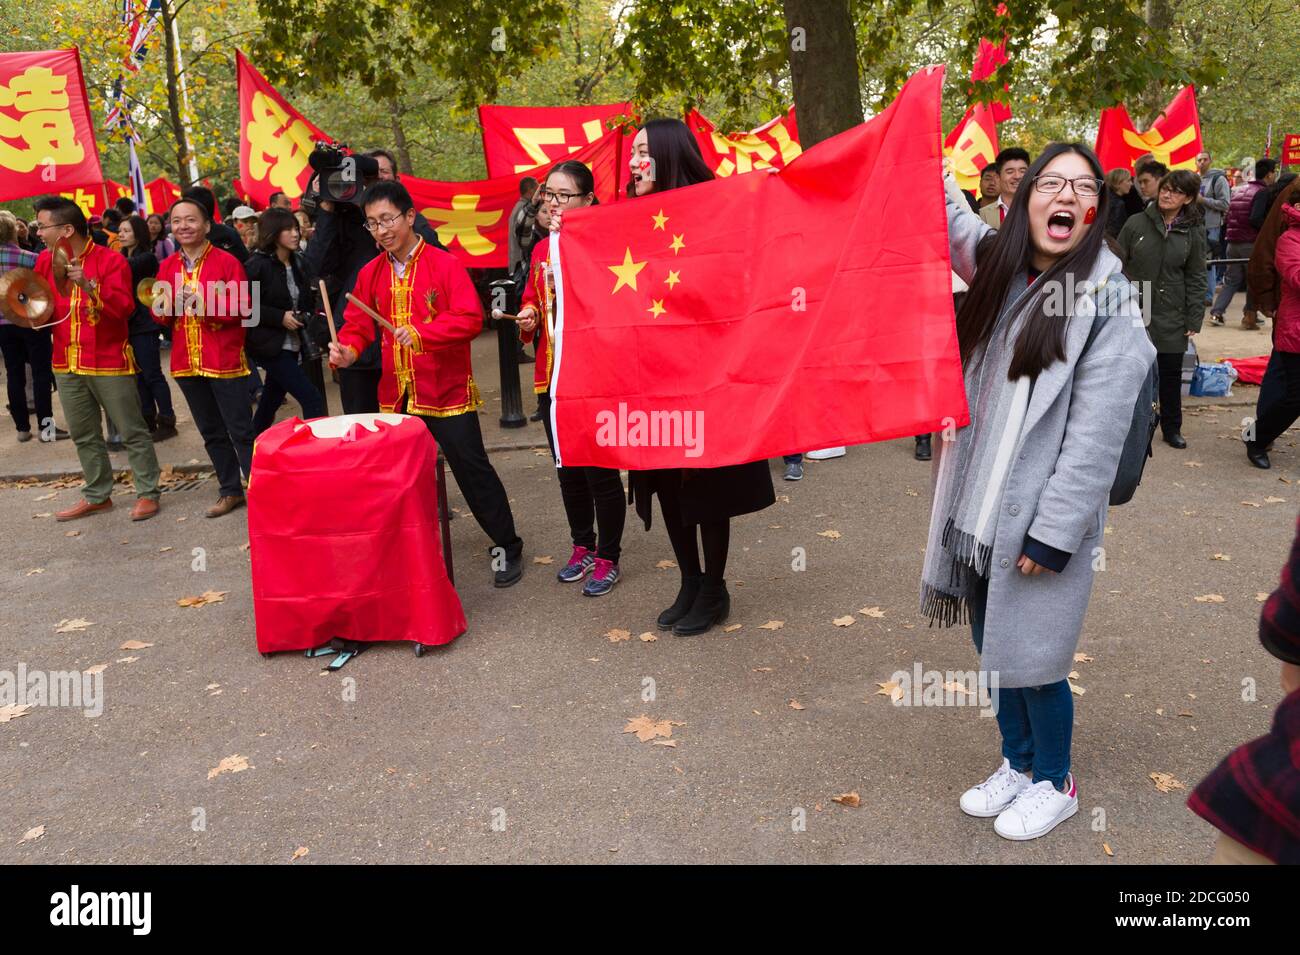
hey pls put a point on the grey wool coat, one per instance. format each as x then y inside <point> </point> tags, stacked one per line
<point>1058,487</point>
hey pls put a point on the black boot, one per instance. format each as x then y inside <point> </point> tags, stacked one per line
<point>1257,456</point>
<point>166,428</point>
<point>710,607</point>
<point>922,452</point>
<point>690,589</point>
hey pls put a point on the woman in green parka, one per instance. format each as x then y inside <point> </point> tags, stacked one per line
<point>1163,249</point>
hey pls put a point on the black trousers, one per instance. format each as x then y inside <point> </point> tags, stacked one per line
<point>593,497</point>
<point>461,440</point>
<point>713,536</point>
<point>359,389</point>
<point>1170,370</point>
<point>23,347</point>
<point>221,412</point>
<point>1279,397</point>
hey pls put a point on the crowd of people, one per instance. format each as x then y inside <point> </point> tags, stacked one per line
<point>1020,495</point>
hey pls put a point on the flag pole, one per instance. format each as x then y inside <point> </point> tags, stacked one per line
<point>185,103</point>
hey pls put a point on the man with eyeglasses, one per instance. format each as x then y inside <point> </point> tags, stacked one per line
<point>427,295</point>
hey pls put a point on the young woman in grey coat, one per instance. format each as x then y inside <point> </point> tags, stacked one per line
<point>1020,493</point>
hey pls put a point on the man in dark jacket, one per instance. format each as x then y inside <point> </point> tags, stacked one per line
<point>1241,236</point>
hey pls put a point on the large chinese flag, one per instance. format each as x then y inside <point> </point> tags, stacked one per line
<point>760,315</point>
<point>274,138</point>
<point>774,144</point>
<point>517,139</point>
<point>1173,139</point>
<point>472,218</point>
<point>161,194</point>
<point>47,138</point>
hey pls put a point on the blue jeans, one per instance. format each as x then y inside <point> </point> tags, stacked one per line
<point>1215,252</point>
<point>1036,721</point>
<point>285,376</point>
<point>793,459</point>
<point>155,395</point>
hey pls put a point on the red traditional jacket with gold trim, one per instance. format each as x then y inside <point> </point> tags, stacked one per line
<point>207,342</point>
<point>435,297</point>
<point>540,294</point>
<point>95,340</point>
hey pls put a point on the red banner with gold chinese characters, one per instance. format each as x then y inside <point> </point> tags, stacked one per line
<point>1173,139</point>
<point>275,139</point>
<point>774,144</point>
<point>47,138</point>
<point>161,193</point>
<point>472,218</point>
<point>517,139</point>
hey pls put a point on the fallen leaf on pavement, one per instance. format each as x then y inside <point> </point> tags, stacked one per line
<point>1251,504</point>
<point>732,628</point>
<point>299,853</point>
<point>35,570</point>
<point>647,637</point>
<point>762,669</point>
<point>72,533</point>
<point>205,598</point>
<point>135,645</point>
<point>647,729</point>
<point>666,564</point>
<point>772,625</point>
<point>890,689</point>
<point>12,711</point>
<point>871,612</point>
<point>1221,557</point>
<point>1210,599</point>
<point>952,686</point>
<point>616,635</point>
<point>542,560</point>
<point>1164,782</point>
<point>796,705</point>
<point>31,835</point>
<point>128,659</point>
<point>852,800</point>
<point>665,742</point>
<point>1105,847</point>
<point>833,535</point>
<point>845,621</point>
<point>1274,500</point>
<point>1261,596</point>
<point>68,626</point>
<point>1082,658</point>
<point>97,668</point>
<point>231,764</point>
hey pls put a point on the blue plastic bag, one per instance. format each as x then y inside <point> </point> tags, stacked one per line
<point>1212,380</point>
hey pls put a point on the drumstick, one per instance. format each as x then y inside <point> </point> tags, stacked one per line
<point>329,312</point>
<point>497,313</point>
<point>372,313</point>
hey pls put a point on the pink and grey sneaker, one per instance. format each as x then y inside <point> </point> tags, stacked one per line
<point>603,578</point>
<point>579,566</point>
<point>1038,810</point>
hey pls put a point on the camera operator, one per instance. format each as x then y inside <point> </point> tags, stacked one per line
<point>339,248</point>
<point>279,339</point>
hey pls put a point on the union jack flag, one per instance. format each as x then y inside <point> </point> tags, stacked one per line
<point>143,22</point>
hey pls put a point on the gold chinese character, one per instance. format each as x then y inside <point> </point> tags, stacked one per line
<point>461,223</point>
<point>280,146</point>
<point>44,125</point>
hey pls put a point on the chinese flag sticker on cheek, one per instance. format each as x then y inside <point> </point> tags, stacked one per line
<point>343,528</point>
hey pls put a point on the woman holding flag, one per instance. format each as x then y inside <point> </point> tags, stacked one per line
<point>697,504</point>
<point>1054,354</point>
<point>593,497</point>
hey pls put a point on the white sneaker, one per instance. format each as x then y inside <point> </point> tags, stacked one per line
<point>994,794</point>
<point>826,454</point>
<point>1037,811</point>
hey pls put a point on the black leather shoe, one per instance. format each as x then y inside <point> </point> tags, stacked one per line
<point>509,575</point>
<point>1257,456</point>
<point>923,448</point>
<point>710,607</point>
<point>690,589</point>
<point>536,415</point>
<point>1176,440</point>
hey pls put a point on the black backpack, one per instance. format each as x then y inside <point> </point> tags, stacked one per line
<point>1141,431</point>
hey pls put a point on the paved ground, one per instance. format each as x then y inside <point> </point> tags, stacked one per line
<point>509,744</point>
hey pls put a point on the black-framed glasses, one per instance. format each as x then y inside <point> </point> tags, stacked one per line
<point>560,198</point>
<point>1086,187</point>
<point>387,222</point>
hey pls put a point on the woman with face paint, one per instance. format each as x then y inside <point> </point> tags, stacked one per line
<point>697,504</point>
<point>1054,354</point>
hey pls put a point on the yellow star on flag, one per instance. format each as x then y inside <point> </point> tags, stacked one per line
<point>677,243</point>
<point>660,219</point>
<point>626,272</point>
<point>673,278</point>
<point>656,307</point>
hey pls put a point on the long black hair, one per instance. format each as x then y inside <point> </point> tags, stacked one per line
<point>580,173</point>
<point>1003,254</point>
<point>676,155</point>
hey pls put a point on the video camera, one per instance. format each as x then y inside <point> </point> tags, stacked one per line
<point>340,176</point>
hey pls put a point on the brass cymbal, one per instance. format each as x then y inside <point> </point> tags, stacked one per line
<point>26,299</point>
<point>144,292</point>
<point>61,258</point>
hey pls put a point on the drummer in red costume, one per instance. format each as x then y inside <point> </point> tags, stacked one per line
<point>206,299</point>
<point>93,364</point>
<point>427,294</point>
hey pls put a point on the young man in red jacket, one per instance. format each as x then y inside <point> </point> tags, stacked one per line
<point>93,364</point>
<point>427,295</point>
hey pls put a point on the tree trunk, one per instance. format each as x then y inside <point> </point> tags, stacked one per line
<point>1159,16</point>
<point>400,147</point>
<point>173,98</point>
<point>823,68</point>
